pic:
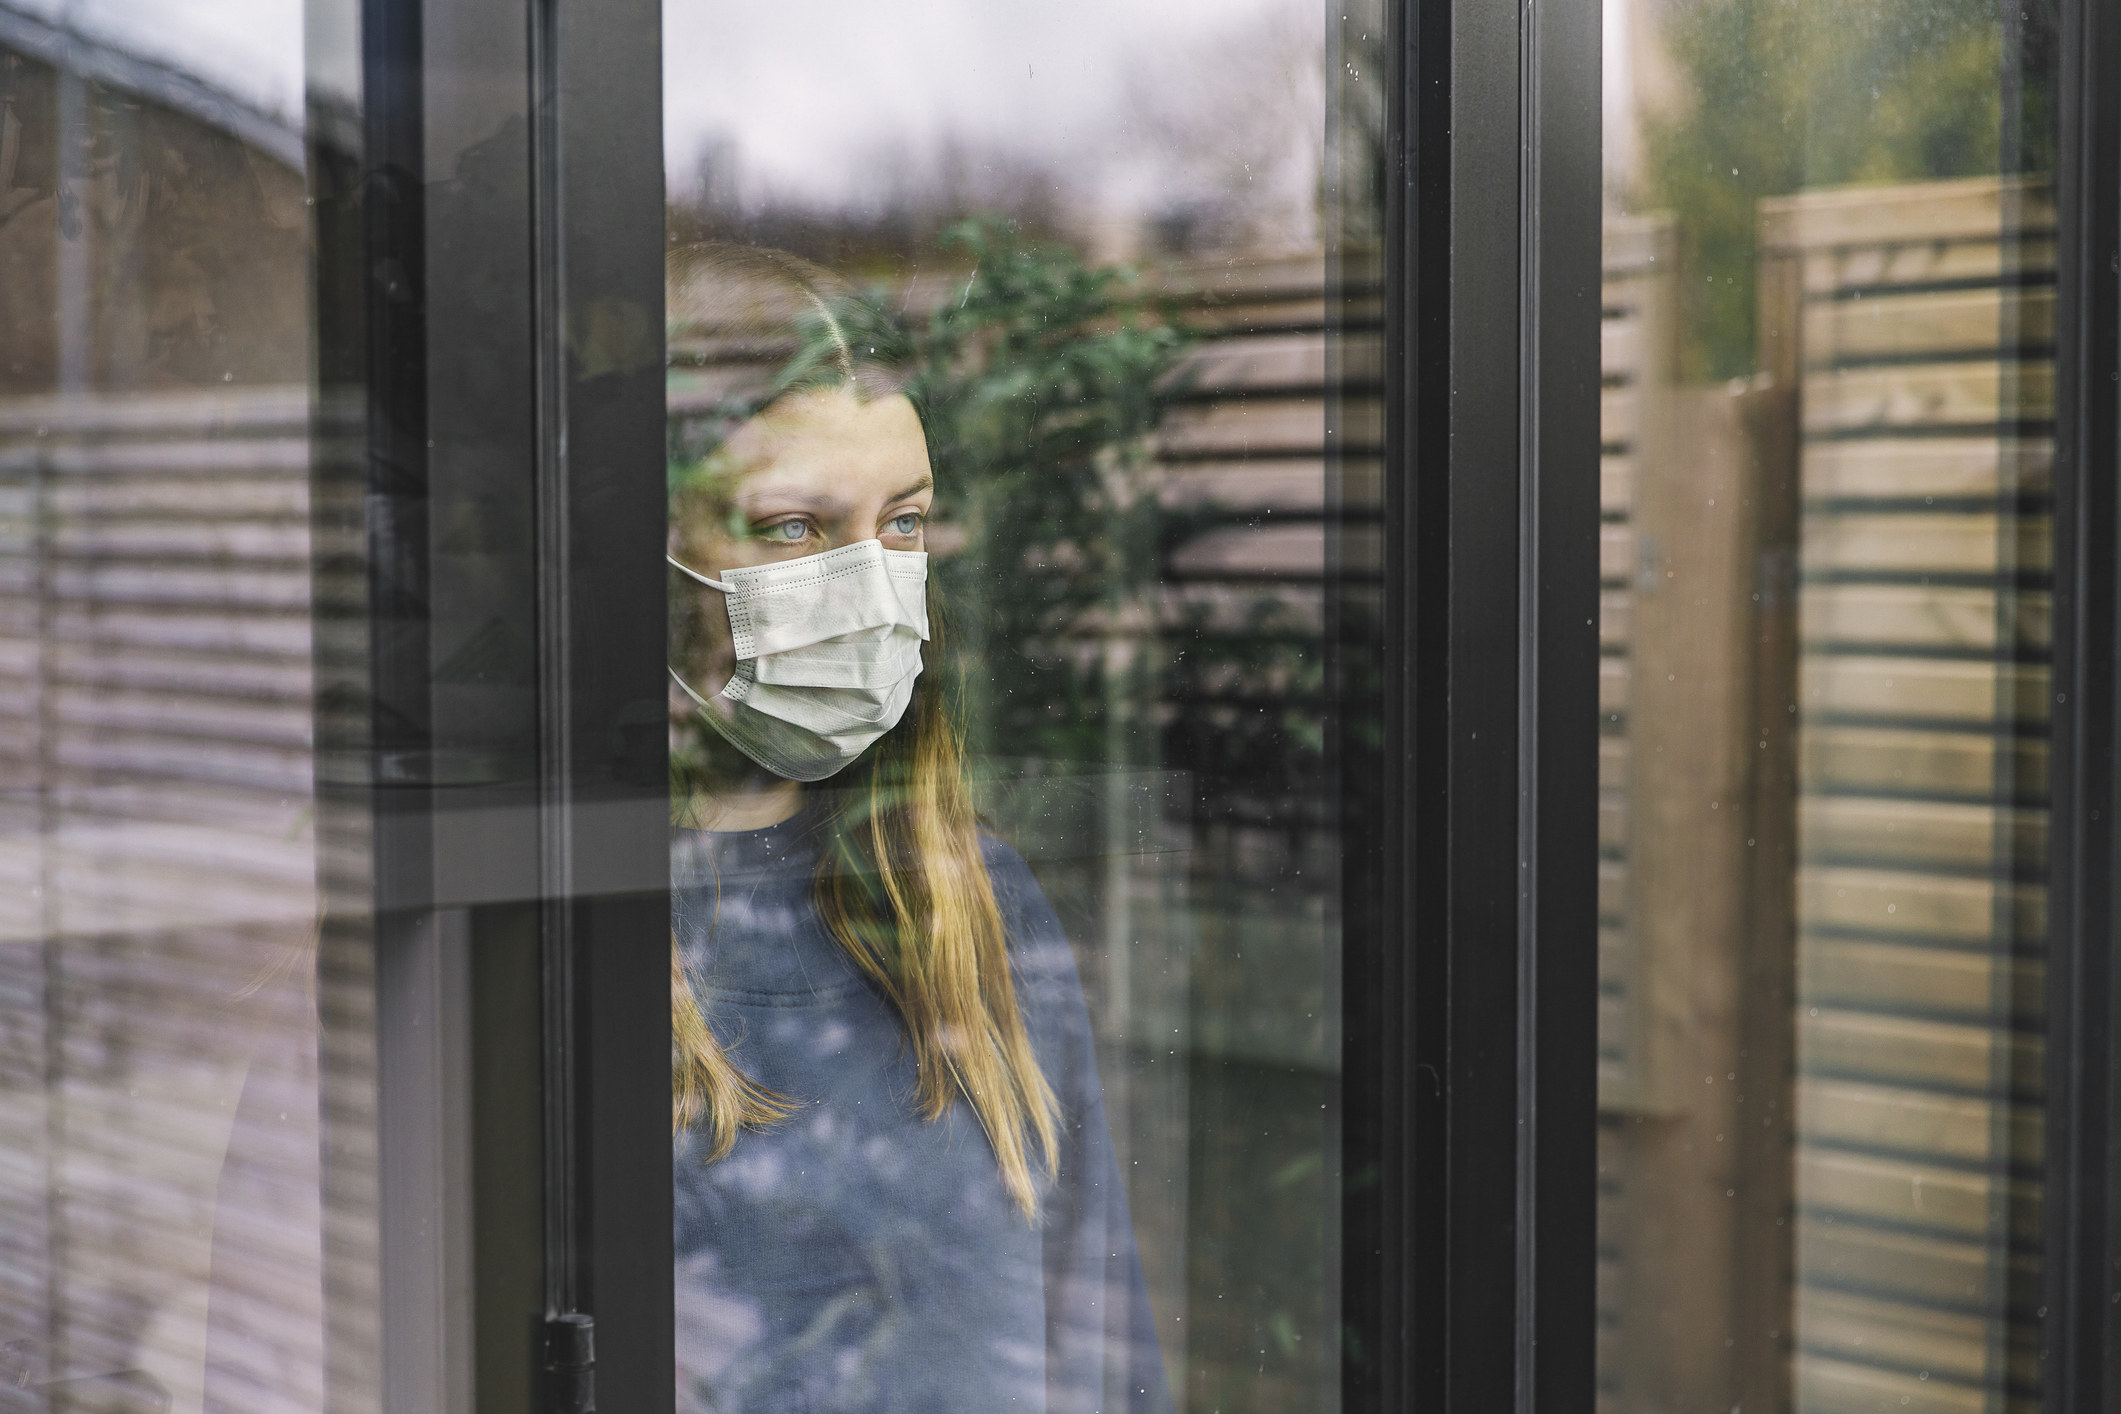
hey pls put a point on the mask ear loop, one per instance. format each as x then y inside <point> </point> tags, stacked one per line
<point>698,700</point>
<point>692,574</point>
<point>696,575</point>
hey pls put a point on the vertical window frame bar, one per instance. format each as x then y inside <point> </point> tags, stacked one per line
<point>2081,1310</point>
<point>597,164</point>
<point>1472,1043</point>
<point>599,297</point>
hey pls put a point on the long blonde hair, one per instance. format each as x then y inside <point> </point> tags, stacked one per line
<point>901,882</point>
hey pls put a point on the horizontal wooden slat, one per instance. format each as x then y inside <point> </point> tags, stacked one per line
<point>169,900</point>
<point>1637,245</point>
<point>205,804</point>
<point>1855,217</point>
<point>288,768</point>
<point>1616,555</point>
<point>1933,1127</point>
<point>107,539</point>
<point>1942,1271</point>
<point>261,723</point>
<point>100,473</point>
<point>1612,889</point>
<point>1955,763</point>
<point>1249,364</point>
<point>1286,312</point>
<point>1825,1386</point>
<point>1932,834</point>
<point>276,586</point>
<point>283,635</point>
<point>1621,347</point>
<point>1615,683</point>
<point>1616,613</point>
<point>1295,551</point>
<point>1897,396</point>
<point>1972,985</point>
<point>1896,902</point>
<point>177,675</point>
<point>1612,817</point>
<point>1245,279</point>
<point>1264,426</point>
<point>1968,262</point>
<point>238,411</point>
<point>1915,1196</point>
<point>274,854</point>
<point>1926,467</point>
<point>1911,1051</point>
<point>1975,543</point>
<point>1619,417</point>
<point>1616,483</point>
<point>1900,1337</point>
<point>1931,689</point>
<point>1293,485</point>
<point>281,501</point>
<point>1928,323</point>
<point>1924,616</point>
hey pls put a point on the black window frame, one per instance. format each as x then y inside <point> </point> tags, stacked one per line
<point>2081,1315</point>
<point>1471,1071</point>
<point>489,287</point>
<point>489,266</point>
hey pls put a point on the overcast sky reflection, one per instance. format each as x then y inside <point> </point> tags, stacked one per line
<point>817,103</point>
<point>248,49</point>
<point>839,103</point>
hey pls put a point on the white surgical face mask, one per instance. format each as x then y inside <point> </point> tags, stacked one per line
<point>827,649</point>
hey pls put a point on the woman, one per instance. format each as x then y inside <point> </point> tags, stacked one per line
<point>895,1187</point>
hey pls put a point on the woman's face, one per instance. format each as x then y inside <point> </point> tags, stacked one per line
<point>819,469</point>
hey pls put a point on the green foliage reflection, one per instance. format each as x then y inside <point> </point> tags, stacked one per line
<point>1783,95</point>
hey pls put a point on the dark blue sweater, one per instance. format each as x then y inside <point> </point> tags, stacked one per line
<point>856,1257</point>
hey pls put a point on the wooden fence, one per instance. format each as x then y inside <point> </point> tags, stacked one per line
<point>1923,328</point>
<point>158,1065</point>
<point>1822,828</point>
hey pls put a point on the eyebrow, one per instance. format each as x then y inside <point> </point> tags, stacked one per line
<point>821,503</point>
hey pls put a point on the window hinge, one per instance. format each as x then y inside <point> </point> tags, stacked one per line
<point>571,1364</point>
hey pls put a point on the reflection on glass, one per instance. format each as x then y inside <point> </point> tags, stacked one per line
<point>1829,371</point>
<point>159,1113</point>
<point>1102,278</point>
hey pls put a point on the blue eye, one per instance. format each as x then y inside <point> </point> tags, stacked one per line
<point>907,524</point>
<point>789,530</point>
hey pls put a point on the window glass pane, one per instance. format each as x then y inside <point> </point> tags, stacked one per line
<point>1829,395</point>
<point>160,1194</point>
<point>1105,276</point>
